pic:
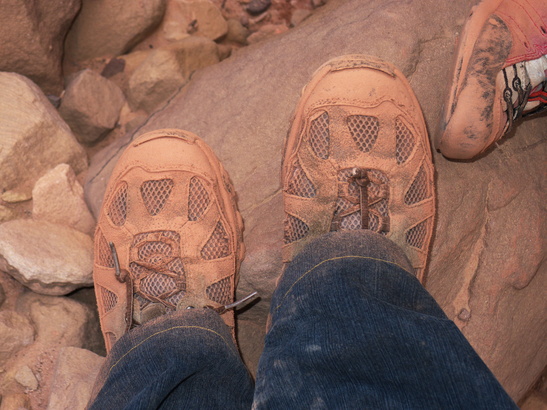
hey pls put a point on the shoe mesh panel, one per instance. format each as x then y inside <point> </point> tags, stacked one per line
<point>117,210</point>
<point>157,284</point>
<point>154,251</point>
<point>155,193</point>
<point>419,190</point>
<point>175,299</point>
<point>299,183</point>
<point>218,245</point>
<point>404,141</point>
<point>319,136</point>
<point>416,235</point>
<point>198,199</point>
<point>294,229</point>
<point>108,298</point>
<point>103,257</point>
<point>364,130</point>
<point>220,292</point>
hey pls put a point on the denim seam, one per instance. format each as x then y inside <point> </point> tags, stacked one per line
<point>330,260</point>
<point>163,331</point>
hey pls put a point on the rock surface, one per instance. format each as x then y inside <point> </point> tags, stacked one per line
<point>33,34</point>
<point>91,105</point>
<point>33,137</point>
<point>16,332</point>
<point>48,258</point>
<point>486,264</point>
<point>74,376</point>
<point>59,198</point>
<point>111,27</point>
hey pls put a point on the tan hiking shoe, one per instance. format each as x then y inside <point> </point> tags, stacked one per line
<point>500,75</point>
<point>358,157</point>
<point>169,235</point>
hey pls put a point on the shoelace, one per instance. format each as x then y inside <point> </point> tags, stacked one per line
<point>124,277</point>
<point>364,178</point>
<point>525,90</point>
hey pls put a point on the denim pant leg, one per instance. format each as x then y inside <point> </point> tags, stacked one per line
<point>351,328</point>
<point>184,360</point>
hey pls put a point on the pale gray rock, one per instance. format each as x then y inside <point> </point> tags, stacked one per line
<point>488,246</point>
<point>91,105</point>
<point>16,332</point>
<point>33,137</point>
<point>58,197</point>
<point>26,378</point>
<point>33,34</point>
<point>111,27</point>
<point>73,379</point>
<point>48,258</point>
<point>166,70</point>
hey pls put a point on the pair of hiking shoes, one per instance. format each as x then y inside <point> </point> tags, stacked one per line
<point>169,234</point>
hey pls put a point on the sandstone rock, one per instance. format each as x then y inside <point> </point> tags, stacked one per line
<point>26,378</point>
<point>6,214</point>
<point>245,117</point>
<point>74,377</point>
<point>48,258</point>
<point>59,321</point>
<point>2,295</point>
<point>130,63</point>
<point>299,16</point>
<point>16,332</point>
<point>111,27</point>
<point>33,137</point>
<point>91,105</point>
<point>206,15</point>
<point>58,197</point>
<point>237,32</point>
<point>167,70</point>
<point>15,196</point>
<point>32,36</point>
<point>16,401</point>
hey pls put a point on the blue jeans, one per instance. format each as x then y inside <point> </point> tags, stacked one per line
<point>350,328</point>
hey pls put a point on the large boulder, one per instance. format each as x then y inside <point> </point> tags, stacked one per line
<point>485,268</point>
<point>48,258</point>
<point>33,34</point>
<point>91,105</point>
<point>111,27</point>
<point>33,137</point>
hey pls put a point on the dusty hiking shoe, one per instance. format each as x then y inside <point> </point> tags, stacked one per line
<point>169,235</point>
<point>499,75</point>
<point>357,157</point>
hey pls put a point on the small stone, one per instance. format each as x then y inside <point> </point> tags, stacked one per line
<point>74,377</point>
<point>237,32</point>
<point>166,70</point>
<point>59,198</point>
<point>266,31</point>
<point>91,105</point>
<point>256,7</point>
<point>16,332</point>
<point>26,378</point>
<point>204,18</point>
<point>13,196</point>
<point>464,314</point>
<point>48,258</point>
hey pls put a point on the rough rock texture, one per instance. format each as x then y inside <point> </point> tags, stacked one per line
<point>91,105</point>
<point>32,34</point>
<point>185,17</point>
<point>166,70</point>
<point>488,248</point>
<point>111,27</point>
<point>75,373</point>
<point>33,137</point>
<point>48,258</point>
<point>15,333</point>
<point>59,198</point>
